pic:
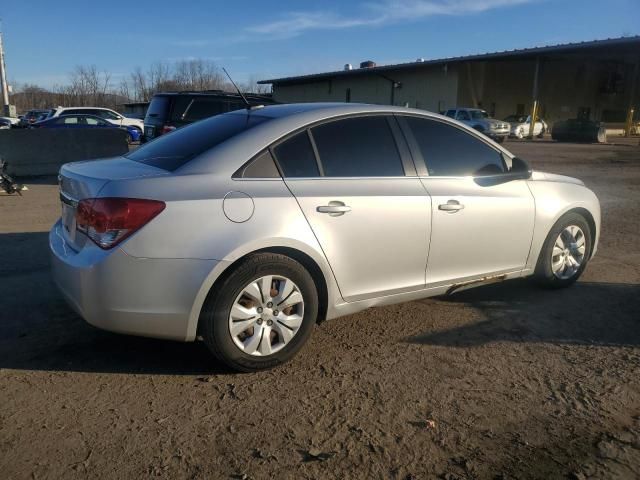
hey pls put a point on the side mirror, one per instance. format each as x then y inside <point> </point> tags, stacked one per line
<point>520,168</point>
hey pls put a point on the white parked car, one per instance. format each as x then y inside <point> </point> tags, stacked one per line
<point>106,113</point>
<point>12,120</point>
<point>520,125</point>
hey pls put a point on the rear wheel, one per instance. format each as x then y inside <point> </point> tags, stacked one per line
<point>261,314</point>
<point>565,252</point>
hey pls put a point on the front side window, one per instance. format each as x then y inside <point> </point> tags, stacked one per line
<point>451,113</point>
<point>463,116</point>
<point>358,147</point>
<point>296,158</point>
<point>70,120</point>
<point>450,151</point>
<point>107,115</point>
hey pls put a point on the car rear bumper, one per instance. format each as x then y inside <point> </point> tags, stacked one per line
<point>115,291</point>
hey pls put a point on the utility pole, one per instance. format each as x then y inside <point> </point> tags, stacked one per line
<point>3,81</point>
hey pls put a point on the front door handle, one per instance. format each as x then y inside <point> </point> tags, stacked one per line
<point>334,208</point>
<point>452,206</point>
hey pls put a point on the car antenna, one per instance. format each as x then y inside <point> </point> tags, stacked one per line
<point>244,99</point>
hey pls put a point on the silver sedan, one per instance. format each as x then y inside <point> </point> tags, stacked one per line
<point>246,229</point>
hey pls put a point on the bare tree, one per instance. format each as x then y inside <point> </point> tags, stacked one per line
<point>88,86</point>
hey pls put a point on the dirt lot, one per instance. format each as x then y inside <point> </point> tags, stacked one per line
<point>504,381</point>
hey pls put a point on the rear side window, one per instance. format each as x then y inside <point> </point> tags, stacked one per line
<point>358,147</point>
<point>296,158</point>
<point>262,166</point>
<point>173,150</point>
<point>450,151</point>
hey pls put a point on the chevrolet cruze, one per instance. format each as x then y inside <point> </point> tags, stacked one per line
<point>245,229</point>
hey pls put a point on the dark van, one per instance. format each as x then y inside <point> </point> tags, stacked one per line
<point>168,111</point>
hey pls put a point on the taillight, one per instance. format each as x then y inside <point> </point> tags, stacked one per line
<point>167,129</point>
<point>108,221</point>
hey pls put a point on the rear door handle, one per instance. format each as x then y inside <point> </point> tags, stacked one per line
<point>452,206</point>
<point>334,208</point>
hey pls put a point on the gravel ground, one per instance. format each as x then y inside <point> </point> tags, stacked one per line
<point>503,381</point>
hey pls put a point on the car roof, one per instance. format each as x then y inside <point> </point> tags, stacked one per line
<point>284,119</point>
<point>83,108</point>
<point>321,109</point>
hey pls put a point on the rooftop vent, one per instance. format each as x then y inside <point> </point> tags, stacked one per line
<point>367,64</point>
<point>347,67</point>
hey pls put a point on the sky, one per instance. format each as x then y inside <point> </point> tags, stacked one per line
<point>45,39</point>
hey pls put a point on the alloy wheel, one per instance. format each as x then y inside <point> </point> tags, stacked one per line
<point>266,315</point>
<point>568,252</point>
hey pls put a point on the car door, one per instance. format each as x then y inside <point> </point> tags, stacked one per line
<point>357,187</point>
<point>481,224</point>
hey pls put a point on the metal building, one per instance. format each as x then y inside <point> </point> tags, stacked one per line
<point>599,80</point>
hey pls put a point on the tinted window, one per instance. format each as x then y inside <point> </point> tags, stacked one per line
<point>296,158</point>
<point>451,113</point>
<point>462,115</point>
<point>358,147</point>
<point>450,151</point>
<point>158,107</point>
<point>106,114</point>
<point>262,166</point>
<point>202,108</point>
<point>171,151</point>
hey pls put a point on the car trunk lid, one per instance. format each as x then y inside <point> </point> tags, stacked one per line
<point>81,180</point>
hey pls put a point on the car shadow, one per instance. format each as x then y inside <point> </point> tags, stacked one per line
<point>587,313</point>
<point>38,331</point>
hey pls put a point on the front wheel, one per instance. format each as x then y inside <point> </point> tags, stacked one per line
<point>261,314</point>
<point>565,252</point>
<point>520,134</point>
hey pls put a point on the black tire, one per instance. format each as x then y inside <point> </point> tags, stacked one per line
<point>543,274</point>
<point>500,139</point>
<point>213,324</point>
<point>541,134</point>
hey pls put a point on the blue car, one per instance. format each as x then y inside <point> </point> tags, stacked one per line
<point>86,121</point>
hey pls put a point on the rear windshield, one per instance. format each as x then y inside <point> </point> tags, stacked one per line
<point>158,107</point>
<point>173,150</point>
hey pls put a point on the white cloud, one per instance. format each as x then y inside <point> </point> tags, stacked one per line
<point>377,13</point>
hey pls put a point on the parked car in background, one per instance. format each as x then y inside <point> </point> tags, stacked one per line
<point>5,124</point>
<point>33,116</point>
<point>520,125</point>
<point>12,120</point>
<point>579,130</point>
<point>479,120</point>
<point>86,121</point>
<point>247,228</point>
<point>107,114</point>
<point>168,111</point>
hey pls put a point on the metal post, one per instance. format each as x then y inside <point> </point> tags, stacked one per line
<point>534,106</point>
<point>634,85</point>
<point>3,81</point>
